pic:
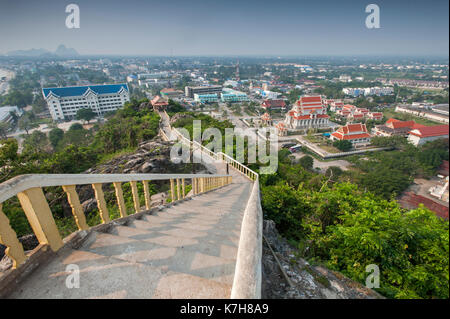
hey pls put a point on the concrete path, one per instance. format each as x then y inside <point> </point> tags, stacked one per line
<point>185,251</point>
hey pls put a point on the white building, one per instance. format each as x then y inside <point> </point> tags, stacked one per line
<point>64,102</point>
<point>270,95</point>
<point>345,78</point>
<point>5,113</point>
<point>425,134</point>
<point>355,92</point>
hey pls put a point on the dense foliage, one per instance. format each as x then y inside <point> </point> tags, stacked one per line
<point>346,228</point>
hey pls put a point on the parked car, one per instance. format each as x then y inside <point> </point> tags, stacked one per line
<point>295,149</point>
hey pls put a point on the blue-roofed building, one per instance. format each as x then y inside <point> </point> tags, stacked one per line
<point>64,102</point>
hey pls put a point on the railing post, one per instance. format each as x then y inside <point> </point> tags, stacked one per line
<point>178,189</point>
<point>148,197</point>
<point>77,209</point>
<point>120,200</point>
<point>202,184</point>
<point>134,191</point>
<point>8,237</point>
<point>172,190</point>
<point>183,188</point>
<point>101,203</point>
<point>40,217</point>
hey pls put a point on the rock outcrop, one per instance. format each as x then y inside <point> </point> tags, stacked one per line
<point>152,157</point>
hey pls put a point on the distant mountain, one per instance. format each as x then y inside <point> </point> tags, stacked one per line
<point>61,51</point>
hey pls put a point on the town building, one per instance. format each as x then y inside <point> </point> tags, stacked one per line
<point>376,116</point>
<point>171,93</point>
<point>336,105</point>
<point>441,109</point>
<point>421,135</point>
<point>308,112</point>
<point>266,119</point>
<point>379,91</point>
<point>159,102</point>
<point>409,201</point>
<point>206,98</point>
<point>7,111</point>
<point>273,104</point>
<point>229,95</point>
<point>355,133</point>
<point>345,78</point>
<point>354,114</point>
<point>270,94</point>
<point>395,127</point>
<point>202,90</point>
<point>423,112</point>
<point>64,102</point>
<point>281,129</point>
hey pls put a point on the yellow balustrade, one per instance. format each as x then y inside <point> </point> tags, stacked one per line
<point>134,192</point>
<point>101,203</point>
<point>40,217</point>
<point>8,237</point>
<point>172,190</point>
<point>147,196</point>
<point>178,189</point>
<point>77,209</point>
<point>120,200</point>
<point>183,188</point>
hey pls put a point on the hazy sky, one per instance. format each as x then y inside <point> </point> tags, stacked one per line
<point>216,27</point>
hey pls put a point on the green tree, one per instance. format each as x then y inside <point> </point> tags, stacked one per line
<point>37,142</point>
<point>8,151</point>
<point>4,128</point>
<point>85,114</point>
<point>343,145</point>
<point>307,162</point>
<point>55,136</point>
<point>26,122</point>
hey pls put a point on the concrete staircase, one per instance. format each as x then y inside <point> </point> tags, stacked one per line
<point>188,250</point>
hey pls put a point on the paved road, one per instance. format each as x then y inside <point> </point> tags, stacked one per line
<point>343,164</point>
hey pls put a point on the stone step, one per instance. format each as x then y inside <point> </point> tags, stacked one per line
<point>112,278</point>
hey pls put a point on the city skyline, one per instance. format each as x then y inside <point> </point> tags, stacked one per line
<point>250,28</point>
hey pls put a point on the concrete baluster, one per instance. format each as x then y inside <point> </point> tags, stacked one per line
<point>40,217</point>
